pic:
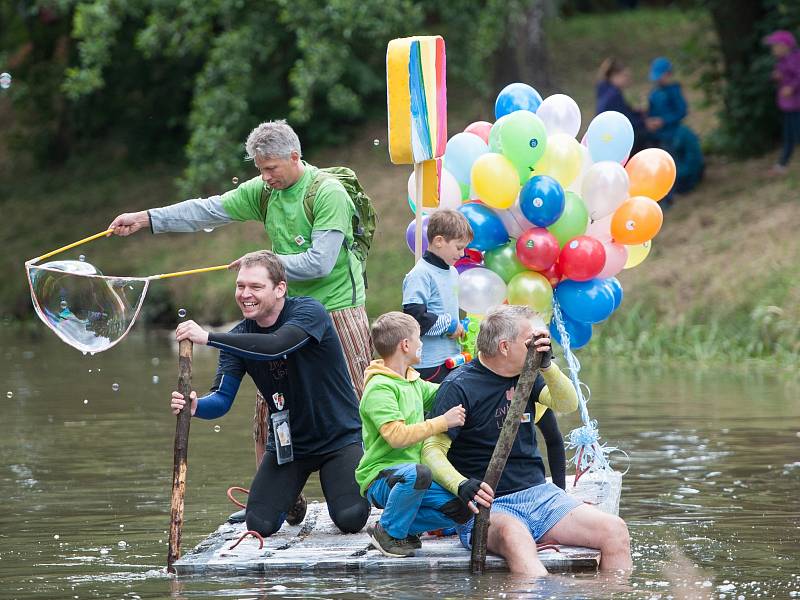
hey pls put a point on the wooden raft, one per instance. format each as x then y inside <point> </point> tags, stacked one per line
<point>317,545</point>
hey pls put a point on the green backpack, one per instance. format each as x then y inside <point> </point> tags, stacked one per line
<point>365,219</point>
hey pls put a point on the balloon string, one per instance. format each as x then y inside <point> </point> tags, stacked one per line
<point>590,455</point>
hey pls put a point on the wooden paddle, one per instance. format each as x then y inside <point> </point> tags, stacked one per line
<point>533,360</point>
<point>180,453</point>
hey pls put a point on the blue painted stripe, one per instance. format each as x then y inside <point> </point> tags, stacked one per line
<point>420,129</point>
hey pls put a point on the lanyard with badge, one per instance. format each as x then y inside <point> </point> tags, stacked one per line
<point>281,431</point>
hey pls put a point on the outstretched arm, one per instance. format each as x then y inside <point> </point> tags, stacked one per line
<point>253,346</point>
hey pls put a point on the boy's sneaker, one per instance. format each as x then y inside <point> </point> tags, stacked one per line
<point>388,545</point>
<point>413,541</point>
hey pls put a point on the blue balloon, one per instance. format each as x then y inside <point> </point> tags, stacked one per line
<point>589,301</point>
<point>610,137</point>
<point>460,154</point>
<point>542,200</point>
<point>579,333</point>
<point>516,96</point>
<point>616,289</point>
<point>487,228</point>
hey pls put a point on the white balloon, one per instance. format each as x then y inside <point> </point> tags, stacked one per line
<point>449,193</point>
<point>513,220</point>
<point>604,188</point>
<point>560,114</point>
<point>480,289</point>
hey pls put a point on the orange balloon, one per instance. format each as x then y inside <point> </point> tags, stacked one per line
<point>651,173</point>
<point>636,221</point>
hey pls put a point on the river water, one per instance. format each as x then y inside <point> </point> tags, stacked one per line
<point>712,497</point>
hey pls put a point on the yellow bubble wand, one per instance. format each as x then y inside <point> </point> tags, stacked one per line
<point>108,305</point>
<point>108,232</point>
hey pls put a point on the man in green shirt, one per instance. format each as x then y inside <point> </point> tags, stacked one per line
<point>315,252</point>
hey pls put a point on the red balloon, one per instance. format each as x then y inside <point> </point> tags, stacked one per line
<point>582,258</point>
<point>481,129</point>
<point>471,258</point>
<point>553,274</point>
<point>537,249</point>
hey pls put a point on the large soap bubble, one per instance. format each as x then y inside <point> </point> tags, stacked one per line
<point>89,311</point>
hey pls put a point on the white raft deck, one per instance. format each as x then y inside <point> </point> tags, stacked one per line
<point>316,545</point>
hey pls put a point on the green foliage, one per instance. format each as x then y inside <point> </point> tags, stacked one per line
<point>641,335</point>
<point>153,76</point>
<point>744,91</point>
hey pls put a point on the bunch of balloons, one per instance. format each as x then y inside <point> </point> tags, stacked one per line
<point>553,217</point>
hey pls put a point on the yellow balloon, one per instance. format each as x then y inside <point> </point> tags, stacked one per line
<point>495,180</point>
<point>637,254</point>
<point>561,160</point>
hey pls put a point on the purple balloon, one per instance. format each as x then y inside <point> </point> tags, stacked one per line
<point>466,267</point>
<point>411,231</point>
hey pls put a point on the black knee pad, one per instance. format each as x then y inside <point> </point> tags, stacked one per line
<point>424,478</point>
<point>264,526</point>
<point>456,510</point>
<point>352,518</point>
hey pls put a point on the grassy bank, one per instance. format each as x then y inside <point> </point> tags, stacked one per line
<point>720,284</point>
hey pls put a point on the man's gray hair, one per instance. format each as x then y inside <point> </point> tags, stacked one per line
<point>272,139</point>
<point>502,323</point>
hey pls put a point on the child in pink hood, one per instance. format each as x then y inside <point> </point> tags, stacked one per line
<point>787,77</point>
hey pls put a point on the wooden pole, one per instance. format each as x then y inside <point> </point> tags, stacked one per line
<point>533,360</point>
<point>180,453</point>
<point>418,216</point>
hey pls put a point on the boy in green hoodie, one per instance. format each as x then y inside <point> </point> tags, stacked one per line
<point>393,428</point>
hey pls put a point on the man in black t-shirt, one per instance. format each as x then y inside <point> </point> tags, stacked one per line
<point>290,349</point>
<point>526,509</point>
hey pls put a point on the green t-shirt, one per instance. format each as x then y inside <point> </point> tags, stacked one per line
<point>386,399</point>
<point>290,232</point>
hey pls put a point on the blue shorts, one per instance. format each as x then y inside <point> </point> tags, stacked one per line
<point>539,507</point>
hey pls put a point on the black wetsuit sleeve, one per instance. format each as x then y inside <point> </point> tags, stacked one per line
<point>420,312</point>
<point>556,456</point>
<point>261,346</point>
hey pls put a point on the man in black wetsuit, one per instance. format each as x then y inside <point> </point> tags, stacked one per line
<point>290,349</point>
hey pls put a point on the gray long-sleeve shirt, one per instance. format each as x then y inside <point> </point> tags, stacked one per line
<point>204,213</point>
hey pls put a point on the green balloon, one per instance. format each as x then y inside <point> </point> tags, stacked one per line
<point>522,138</point>
<point>533,290</point>
<point>503,260</point>
<point>573,221</point>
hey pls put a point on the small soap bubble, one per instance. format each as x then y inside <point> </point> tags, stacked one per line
<point>154,361</point>
<point>122,543</point>
<point>235,181</point>
<point>115,386</point>
<point>85,401</point>
<point>103,550</point>
<point>82,257</point>
<point>5,80</point>
<point>182,312</point>
<point>56,536</point>
<point>155,378</point>
<point>9,394</point>
<point>121,526</point>
<point>64,304</point>
<point>376,142</point>
<point>217,428</point>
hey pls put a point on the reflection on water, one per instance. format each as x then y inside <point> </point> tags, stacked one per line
<point>712,497</point>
